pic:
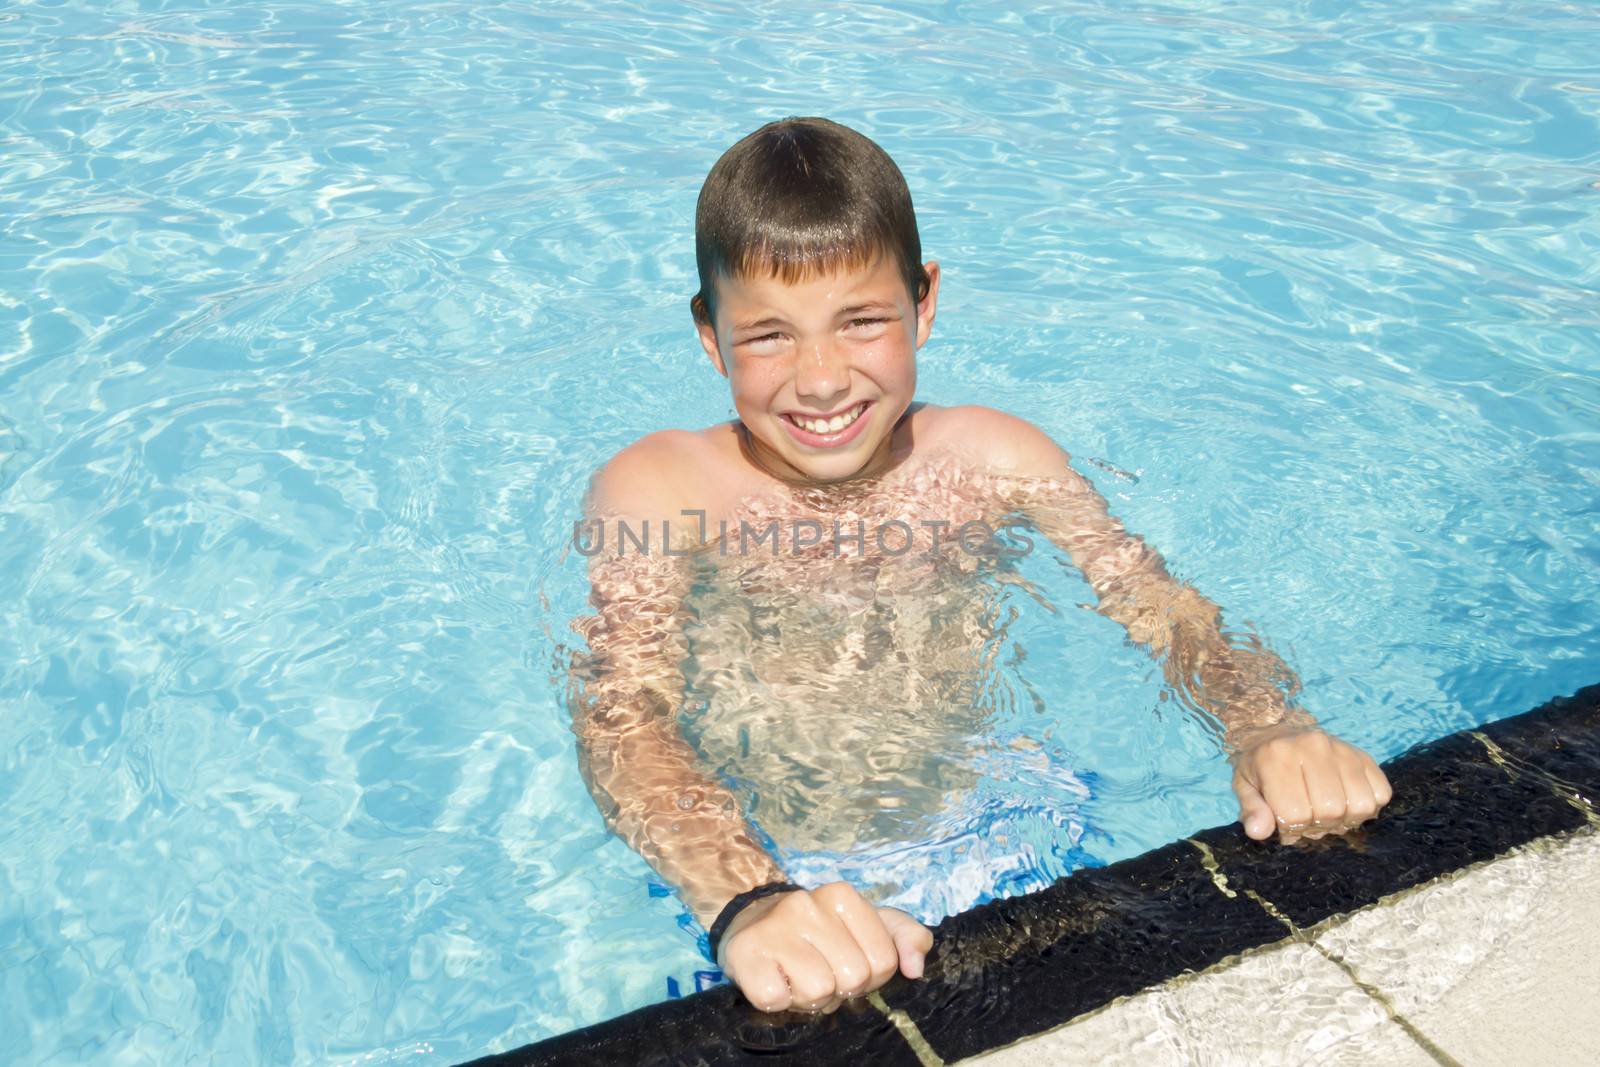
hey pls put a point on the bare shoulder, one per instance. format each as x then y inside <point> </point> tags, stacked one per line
<point>994,439</point>
<point>647,477</point>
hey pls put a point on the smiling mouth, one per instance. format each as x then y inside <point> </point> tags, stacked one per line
<point>829,426</point>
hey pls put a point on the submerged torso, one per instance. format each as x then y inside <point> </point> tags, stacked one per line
<point>845,685</point>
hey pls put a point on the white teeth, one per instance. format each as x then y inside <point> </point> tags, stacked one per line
<point>833,425</point>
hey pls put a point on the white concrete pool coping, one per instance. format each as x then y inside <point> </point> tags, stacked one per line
<point>1495,964</point>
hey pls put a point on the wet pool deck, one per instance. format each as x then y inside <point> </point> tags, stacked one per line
<point>1496,965</point>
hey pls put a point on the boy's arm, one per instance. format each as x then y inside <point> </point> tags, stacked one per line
<point>646,779</point>
<point>1289,774</point>
<point>805,950</point>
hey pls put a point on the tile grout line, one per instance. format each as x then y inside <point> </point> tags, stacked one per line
<point>1515,767</point>
<point>1299,936</point>
<point>908,1030</point>
<point>1208,860</point>
<point>1423,1041</point>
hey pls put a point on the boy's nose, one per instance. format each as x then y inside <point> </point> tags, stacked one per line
<point>823,374</point>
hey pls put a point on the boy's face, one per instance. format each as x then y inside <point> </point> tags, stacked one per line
<point>823,369</point>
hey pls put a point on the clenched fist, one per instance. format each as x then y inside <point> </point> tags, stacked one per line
<point>811,950</point>
<point>1306,784</point>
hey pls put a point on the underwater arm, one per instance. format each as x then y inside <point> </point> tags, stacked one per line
<point>625,692</point>
<point>1290,776</point>
<point>1244,688</point>
<point>645,777</point>
<point>795,948</point>
<point>1242,691</point>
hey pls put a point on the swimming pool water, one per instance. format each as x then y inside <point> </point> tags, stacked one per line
<point>315,318</point>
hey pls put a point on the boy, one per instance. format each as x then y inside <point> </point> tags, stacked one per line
<point>813,302</point>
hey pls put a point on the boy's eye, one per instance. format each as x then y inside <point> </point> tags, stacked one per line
<point>867,321</point>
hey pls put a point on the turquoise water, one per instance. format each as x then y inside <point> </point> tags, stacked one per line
<point>314,319</point>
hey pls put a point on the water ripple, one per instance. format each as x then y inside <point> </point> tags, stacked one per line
<point>316,317</point>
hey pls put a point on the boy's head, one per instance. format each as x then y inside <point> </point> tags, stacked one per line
<point>813,299</point>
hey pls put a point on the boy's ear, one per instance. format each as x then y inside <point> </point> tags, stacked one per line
<point>707,331</point>
<point>708,341</point>
<point>928,304</point>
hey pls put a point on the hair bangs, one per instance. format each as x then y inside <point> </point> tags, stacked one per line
<point>793,258</point>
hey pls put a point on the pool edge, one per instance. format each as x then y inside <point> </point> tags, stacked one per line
<point>1012,969</point>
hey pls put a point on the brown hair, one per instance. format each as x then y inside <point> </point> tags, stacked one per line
<point>800,197</point>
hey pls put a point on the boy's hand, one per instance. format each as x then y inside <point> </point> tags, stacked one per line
<point>1306,784</point>
<point>813,950</point>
